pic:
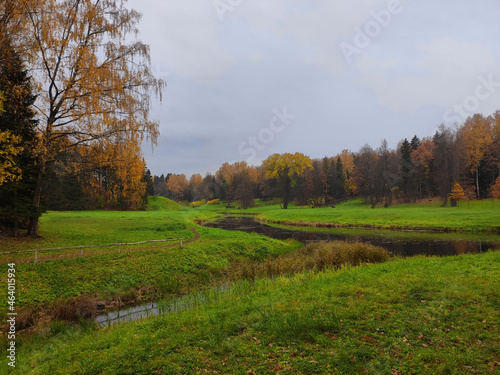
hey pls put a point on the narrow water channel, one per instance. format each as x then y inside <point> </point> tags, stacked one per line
<point>128,314</point>
<point>402,243</point>
<point>172,305</point>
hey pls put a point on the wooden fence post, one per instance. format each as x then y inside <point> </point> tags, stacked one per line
<point>152,245</point>
<point>36,255</point>
<point>81,251</point>
<point>119,245</point>
<point>181,242</point>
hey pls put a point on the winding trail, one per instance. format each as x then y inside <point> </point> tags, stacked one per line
<point>196,236</point>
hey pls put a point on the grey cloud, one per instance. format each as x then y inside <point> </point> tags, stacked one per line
<point>225,77</point>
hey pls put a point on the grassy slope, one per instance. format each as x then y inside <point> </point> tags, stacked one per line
<point>419,315</point>
<point>109,274</point>
<point>162,204</point>
<point>191,266</point>
<point>166,219</point>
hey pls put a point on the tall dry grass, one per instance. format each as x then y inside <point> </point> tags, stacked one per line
<point>313,256</point>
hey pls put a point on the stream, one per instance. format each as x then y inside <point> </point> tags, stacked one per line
<point>397,242</point>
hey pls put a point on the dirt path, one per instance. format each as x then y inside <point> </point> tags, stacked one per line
<point>196,236</point>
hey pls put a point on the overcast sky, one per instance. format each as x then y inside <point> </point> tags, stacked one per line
<point>249,78</point>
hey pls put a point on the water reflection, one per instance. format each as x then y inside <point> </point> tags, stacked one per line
<point>166,306</point>
<point>127,314</point>
<point>403,243</point>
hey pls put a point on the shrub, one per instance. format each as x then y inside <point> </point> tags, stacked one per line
<point>318,202</point>
<point>214,201</point>
<point>197,203</point>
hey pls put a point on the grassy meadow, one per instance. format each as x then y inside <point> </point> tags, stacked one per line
<point>419,316</point>
<point>477,216</point>
<point>269,306</point>
<point>473,216</point>
<point>164,219</point>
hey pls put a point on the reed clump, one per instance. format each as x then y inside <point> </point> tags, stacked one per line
<point>313,256</point>
<point>75,309</point>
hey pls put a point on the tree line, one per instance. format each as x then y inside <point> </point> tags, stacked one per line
<point>466,154</point>
<point>75,97</point>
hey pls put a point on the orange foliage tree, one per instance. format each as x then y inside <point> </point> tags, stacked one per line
<point>226,176</point>
<point>196,179</point>
<point>176,184</point>
<point>421,158</point>
<point>476,135</point>
<point>457,193</point>
<point>114,178</point>
<point>424,153</point>
<point>347,158</point>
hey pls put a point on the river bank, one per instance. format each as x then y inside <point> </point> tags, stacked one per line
<point>418,315</point>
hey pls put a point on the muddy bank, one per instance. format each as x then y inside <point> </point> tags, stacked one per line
<point>36,320</point>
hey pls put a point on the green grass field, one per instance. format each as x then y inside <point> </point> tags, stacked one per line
<point>164,220</point>
<point>59,229</point>
<point>110,274</point>
<point>418,315</point>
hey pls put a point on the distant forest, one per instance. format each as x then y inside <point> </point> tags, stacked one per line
<point>418,168</point>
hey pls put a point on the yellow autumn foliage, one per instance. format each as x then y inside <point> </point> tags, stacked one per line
<point>287,166</point>
<point>10,147</point>
<point>197,203</point>
<point>113,176</point>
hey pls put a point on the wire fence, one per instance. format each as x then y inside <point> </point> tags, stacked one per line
<point>82,248</point>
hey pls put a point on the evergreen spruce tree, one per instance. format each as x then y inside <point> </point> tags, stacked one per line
<point>150,187</point>
<point>341,180</point>
<point>16,198</point>
<point>406,168</point>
